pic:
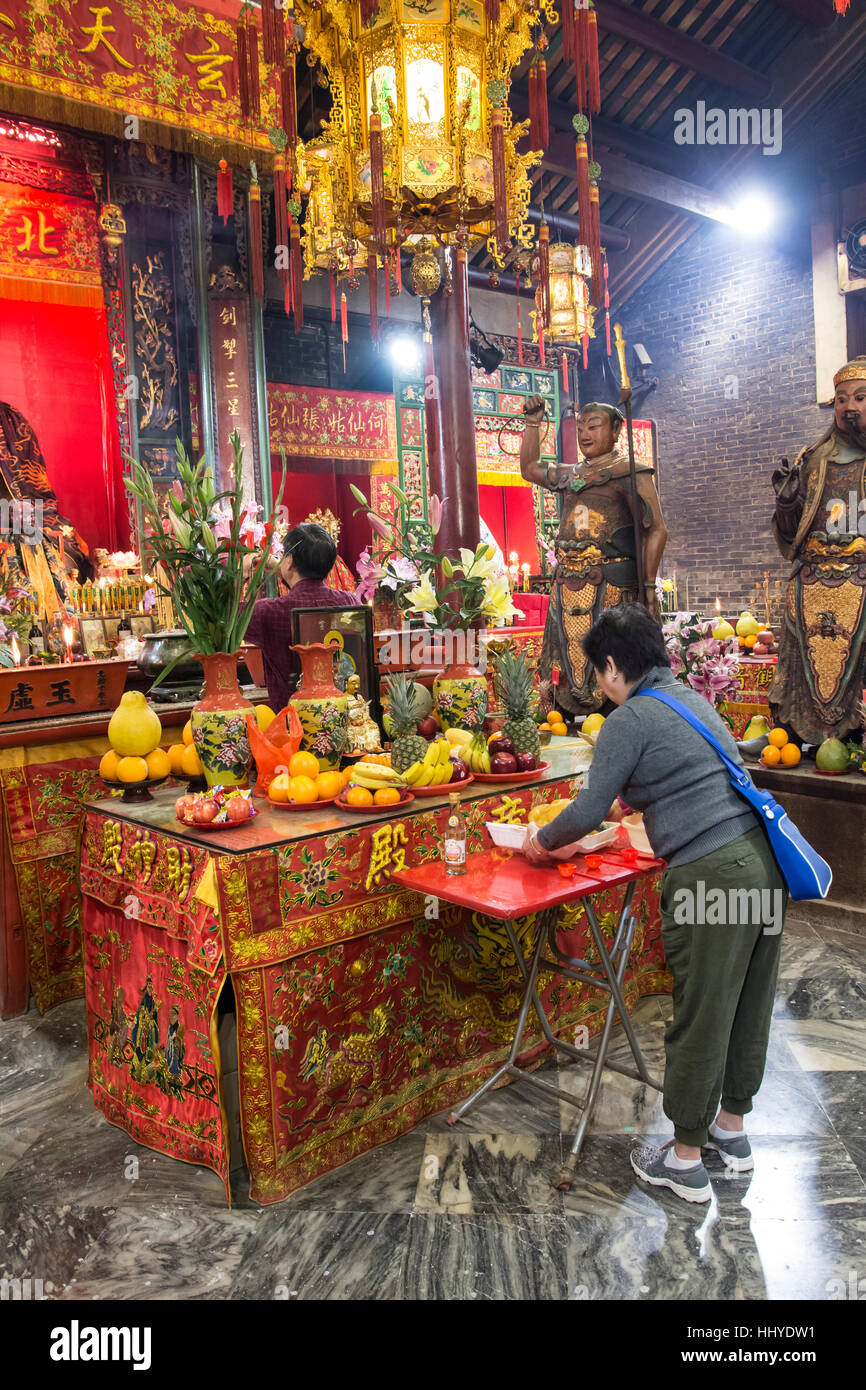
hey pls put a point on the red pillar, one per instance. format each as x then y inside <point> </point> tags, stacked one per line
<point>451,469</point>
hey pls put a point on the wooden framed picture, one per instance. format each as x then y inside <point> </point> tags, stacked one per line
<point>141,623</point>
<point>350,631</point>
<point>93,636</point>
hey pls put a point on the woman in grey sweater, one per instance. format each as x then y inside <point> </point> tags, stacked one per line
<point>723,897</point>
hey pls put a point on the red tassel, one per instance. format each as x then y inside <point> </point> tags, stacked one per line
<point>544,274</point>
<point>387,269</point>
<point>297,276</point>
<point>377,180</point>
<point>564,374</point>
<point>500,192</point>
<point>606,308</point>
<point>594,81</point>
<point>841,6</point>
<point>541,344</point>
<point>344,325</point>
<point>256,248</point>
<point>289,100</point>
<point>534,131</point>
<point>281,214</point>
<point>491,9</point>
<point>225,197</point>
<point>581,49</point>
<point>583,213</point>
<point>541,100</point>
<point>595,243</point>
<point>243,69</point>
<point>568,29</point>
<point>369,9</point>
<point>268,31</point>
<point>519,337</point>
<point>253,59</point>
<point>373,283</point>
<point>398,270</point>
<point>333,299</point>
<point>585,351</point>
<point>279,38</point>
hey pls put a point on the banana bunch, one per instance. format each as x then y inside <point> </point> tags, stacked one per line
<point>477,755</point>
<point>433,769</point>
<point>373,776</point>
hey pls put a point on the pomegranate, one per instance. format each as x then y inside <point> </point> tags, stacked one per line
<point>237,809</point>
<point>204,810</point>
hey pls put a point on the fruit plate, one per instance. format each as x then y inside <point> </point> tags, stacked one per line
<point>511,776</point>
<point>373,810</point>
<point>444,787</point>
<point>214,825</point>
<point>301,805</point>
<point>136,791</point>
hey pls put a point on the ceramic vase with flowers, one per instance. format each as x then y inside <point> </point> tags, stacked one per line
<point>322,708</point>
<point>200,544</point>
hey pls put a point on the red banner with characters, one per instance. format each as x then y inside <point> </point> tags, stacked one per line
<point>319,424</point>
<point>170,67</point>
<point>49,247</point>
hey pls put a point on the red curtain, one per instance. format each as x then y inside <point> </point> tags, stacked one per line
<point>307,492</point>
<point>510,514</point>
<point>55,369</point>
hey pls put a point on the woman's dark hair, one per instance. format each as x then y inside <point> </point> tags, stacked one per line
<point>631,637</point>
<point>312,550</point>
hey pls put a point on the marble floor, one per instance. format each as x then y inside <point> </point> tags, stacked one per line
<point>469,1212</point>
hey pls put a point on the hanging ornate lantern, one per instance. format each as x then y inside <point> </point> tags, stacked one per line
<point>571,315</point>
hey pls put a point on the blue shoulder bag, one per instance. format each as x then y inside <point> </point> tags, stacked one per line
<point>805,872</point>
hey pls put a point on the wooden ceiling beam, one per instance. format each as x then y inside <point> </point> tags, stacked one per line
<point>626,22</point>
<point>817,12</point>
<point>661,154</point>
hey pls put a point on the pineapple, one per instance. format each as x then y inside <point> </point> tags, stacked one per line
<point>408,746</point>
<point>514,680</point>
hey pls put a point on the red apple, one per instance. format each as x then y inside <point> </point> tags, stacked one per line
<point>460,770</point>
<point>500,745</point>
<point>428,727</point>
<point>503,763</point>
<point>204,811</point>
<point>237,809</point>
<point>526,762</point>
<point>183,806</point>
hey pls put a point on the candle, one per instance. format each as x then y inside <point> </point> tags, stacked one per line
<point>525,568</point>
<point>16,650</point>
<point>718,607</point>
<point>68,634</point>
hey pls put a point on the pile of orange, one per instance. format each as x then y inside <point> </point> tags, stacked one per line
<point>780,750</point>
<point>748,641</point>
<point>114,768</point>
<point>183,758</point>
<point>362,796</point>
<point>304,784</point>
<point>555,723</point>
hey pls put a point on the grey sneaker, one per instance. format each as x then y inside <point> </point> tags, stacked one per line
<point>692,1184</point>
<point>736,1154</point>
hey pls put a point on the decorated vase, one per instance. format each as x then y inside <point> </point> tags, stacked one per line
<point>460,696</point>
<point>219,723</point>
<point>322,709</point>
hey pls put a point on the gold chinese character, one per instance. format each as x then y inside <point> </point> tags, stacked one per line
<point>231,381</point>
<point>179,870</point>
<point>228,315</point>
<point>208,74</point>
<point>112,841</point>
<point>509,811</point>
<point>386,854</point>
<point>230,347</point>
<point>29,234</point>
<point>139,859</point>
<point>98,32</point>
<point>233,407</point>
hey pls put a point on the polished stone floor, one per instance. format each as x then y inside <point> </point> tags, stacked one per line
<point>464,1213</point>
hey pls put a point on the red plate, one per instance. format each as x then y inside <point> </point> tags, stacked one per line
<point>369,810</point>
<point>301,806</point>
<point>510,776</point>
<point>213,825</point>
<point>444,788</point>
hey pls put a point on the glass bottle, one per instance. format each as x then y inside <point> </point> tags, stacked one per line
<point>36,638</point>
<point>455,838</point>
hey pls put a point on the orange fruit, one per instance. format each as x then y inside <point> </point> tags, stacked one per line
<point>771,755</point>
<point>175,756</point>
<point>545,728</point>
<point>280,788</point>
<point>190,763</point>
<point>303,789</point>
<point>790,755</point>
<point>386,796</point>
<point>328,784</point>
<point>108,766</point>
<point>748,641</point>
<point>131,770</point>
<point>346,776</point>
<point>158,763</point>
<point>778,738</point>
<point>303,765</point>
<point>359,796</point>
<point>187,732</point>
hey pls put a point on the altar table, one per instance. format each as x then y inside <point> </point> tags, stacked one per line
<point>361,1006</point>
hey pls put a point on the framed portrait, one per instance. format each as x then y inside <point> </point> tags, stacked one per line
<point>350,631</point>
<point>93,636</point>
<point>141,623</point>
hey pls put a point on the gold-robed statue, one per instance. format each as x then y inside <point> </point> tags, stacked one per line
<point>596,565</point>
<point>820,525</point>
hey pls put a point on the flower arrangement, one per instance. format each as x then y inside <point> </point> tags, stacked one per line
<point>409,568</point>
<point>706,663</point>
<point>11,624</point>
<point>201,544</point>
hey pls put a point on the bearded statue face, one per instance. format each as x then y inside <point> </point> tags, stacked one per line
<point>597,433</point>
<point>849,408</point>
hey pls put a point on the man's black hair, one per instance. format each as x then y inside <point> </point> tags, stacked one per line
<point>631,637</point>
<point>613,412</point>
<point>312,550</point>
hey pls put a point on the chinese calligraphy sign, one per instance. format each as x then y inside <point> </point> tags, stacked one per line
<point>310,423</point>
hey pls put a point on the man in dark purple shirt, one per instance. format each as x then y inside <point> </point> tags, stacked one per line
<point>309,558</point>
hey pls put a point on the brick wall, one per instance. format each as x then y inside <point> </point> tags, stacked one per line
<point>721,308</point>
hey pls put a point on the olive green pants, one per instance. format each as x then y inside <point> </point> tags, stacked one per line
<point>722,919</point>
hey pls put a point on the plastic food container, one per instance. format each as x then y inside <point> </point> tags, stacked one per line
<point>514,836</point>
<point>637,835</point>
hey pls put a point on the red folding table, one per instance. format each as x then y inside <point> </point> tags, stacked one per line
<point>502,884</point>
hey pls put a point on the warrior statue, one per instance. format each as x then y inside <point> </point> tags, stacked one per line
<point>595,545</point>
<point>820,524</point>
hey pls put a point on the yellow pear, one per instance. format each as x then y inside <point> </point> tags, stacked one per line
<point>747,626</point>
<point>722,630</point>
<point>134,729</point>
